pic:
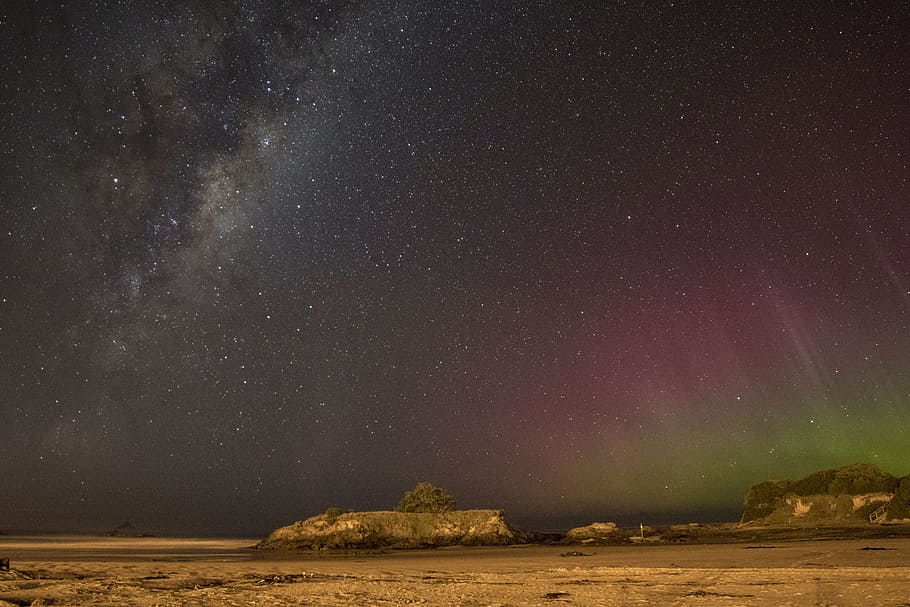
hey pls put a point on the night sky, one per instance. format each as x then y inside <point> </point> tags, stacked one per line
<point>578,260</point>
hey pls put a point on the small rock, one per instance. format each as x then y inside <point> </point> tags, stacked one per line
<point>574,553</point>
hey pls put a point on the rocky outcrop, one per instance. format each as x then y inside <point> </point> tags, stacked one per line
<point>851,495</point>
<point>359,530</point>
<point>826,509</point>
<point>596,533</point>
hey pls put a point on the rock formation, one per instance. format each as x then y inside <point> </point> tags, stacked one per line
<point>854,494</point>
<point>596,533</point>
<point>359,530</point>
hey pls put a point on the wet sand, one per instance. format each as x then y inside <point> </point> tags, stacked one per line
<point>153,571</point>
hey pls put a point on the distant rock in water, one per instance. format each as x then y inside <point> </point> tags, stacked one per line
<point>854,494</point>
<point>125,530</point>
<point>358,530</point>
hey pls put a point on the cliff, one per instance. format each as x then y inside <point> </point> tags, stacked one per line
<point>854,494</point>
<point>826,509</point>
<point>358,530</point>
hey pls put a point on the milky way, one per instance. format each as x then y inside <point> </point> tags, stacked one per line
<point>581,261</point>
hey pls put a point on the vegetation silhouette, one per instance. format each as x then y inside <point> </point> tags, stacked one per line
<point>426,497</point>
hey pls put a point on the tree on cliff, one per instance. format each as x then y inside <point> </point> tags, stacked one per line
<point>426,497</point>
<point>862,478</point>
<point>763,498</point>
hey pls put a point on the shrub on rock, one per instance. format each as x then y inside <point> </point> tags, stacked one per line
<point>426,497</point>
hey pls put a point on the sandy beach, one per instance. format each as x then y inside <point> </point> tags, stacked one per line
<point>153,571</point>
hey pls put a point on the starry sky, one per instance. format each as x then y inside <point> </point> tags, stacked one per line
<point>578,260</point>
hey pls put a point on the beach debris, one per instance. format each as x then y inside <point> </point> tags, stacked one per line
<point>285,579</point>
<point>575,553</point>
<point>555,595</point>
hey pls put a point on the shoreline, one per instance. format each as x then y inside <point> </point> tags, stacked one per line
<point>74,547</point>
